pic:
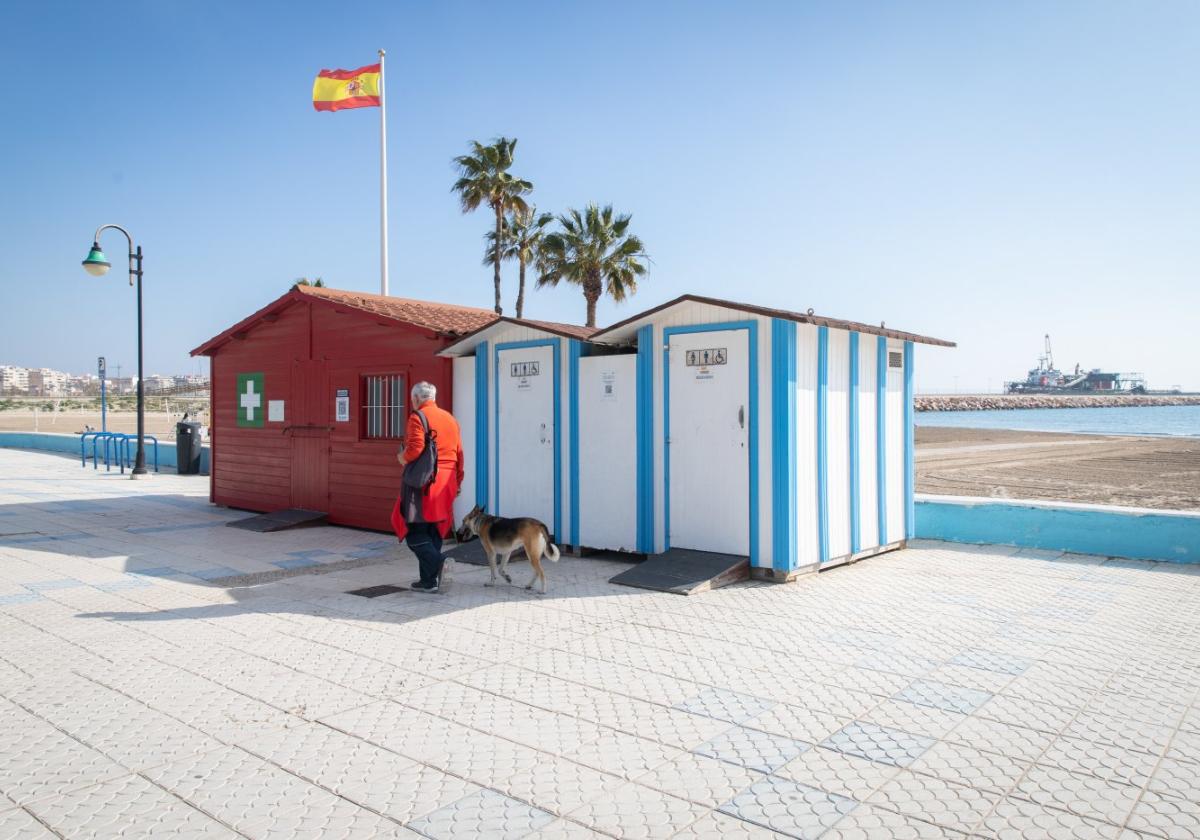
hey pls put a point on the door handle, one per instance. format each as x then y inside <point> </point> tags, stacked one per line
<point>741,416</point>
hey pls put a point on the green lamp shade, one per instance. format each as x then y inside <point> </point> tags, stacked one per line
<point>96,263</point>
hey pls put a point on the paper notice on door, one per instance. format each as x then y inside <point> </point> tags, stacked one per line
<point>275,411</point>
<point>608,385</point>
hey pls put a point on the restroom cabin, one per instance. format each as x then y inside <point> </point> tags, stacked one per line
<point>702,424</point>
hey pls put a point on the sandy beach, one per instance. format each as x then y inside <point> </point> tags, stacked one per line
<point>1149,472</point>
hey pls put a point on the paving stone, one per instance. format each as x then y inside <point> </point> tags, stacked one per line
<point>127,807</point>
<point>840,773</point>
<point>1166,816</point>
<point>725,705</point>
<point>718,825</point>
<point>965,765</point>
<point>1086,796</point>
<point>701,779</point>
<point>19,824</point>
<point>995,737</point>
<point>625,755</point>
<point>797,722</point>
<point>878,743</point>
<point>789,807</point>
<point>869,822</point>
<point>919,720</point>
<point>986,660</point>
<point>483,814</point>
<point>935,800</point>
<point>253,797</point>
<point>638,813</point>
<point>938,695</point>
<point>1104,761</point>
<point>752,749</point>
<point>1017,819</point>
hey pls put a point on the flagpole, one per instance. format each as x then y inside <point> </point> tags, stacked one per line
<point>383,224</point>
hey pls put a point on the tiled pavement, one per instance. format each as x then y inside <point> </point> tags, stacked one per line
<point>937,692</point>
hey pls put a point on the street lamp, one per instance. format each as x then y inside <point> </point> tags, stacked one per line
<point>98,265</point>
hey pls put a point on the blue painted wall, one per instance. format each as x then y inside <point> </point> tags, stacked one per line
<point>69,444</point>
<point>1174,537</point>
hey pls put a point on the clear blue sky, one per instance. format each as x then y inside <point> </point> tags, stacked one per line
<point>985,172</point>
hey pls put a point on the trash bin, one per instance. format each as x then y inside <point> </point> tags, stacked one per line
<point>187,448</point>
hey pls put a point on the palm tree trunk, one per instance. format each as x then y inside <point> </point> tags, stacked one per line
<point>496,256</point>
<point>521,288</point>
<point>591,293</point>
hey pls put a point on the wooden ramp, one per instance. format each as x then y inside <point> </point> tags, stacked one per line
<point>280,520</point>
<point>685,572</point>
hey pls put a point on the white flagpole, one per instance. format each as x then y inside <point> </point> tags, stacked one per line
<point>383,225</point>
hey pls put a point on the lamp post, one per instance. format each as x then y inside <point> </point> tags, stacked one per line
<point>98,265</point>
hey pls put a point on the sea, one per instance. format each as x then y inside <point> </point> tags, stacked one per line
<point>1155,420</point>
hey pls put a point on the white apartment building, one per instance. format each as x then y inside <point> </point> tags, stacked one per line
<point>13,379</point>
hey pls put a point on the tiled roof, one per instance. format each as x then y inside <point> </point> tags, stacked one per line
<point>440,317</point>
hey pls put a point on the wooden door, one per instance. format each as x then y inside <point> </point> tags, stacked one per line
<point>309,427</point>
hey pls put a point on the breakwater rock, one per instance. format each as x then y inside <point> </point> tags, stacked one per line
<point>993,402</point>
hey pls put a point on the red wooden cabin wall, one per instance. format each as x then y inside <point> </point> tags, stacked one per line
<point>253,467</point>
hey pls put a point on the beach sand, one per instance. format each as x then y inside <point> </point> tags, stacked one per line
<point>1162,473</point>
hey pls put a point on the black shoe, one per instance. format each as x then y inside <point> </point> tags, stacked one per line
<point>417,586</point>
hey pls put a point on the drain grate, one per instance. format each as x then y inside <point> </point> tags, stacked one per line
<point>376,591</point>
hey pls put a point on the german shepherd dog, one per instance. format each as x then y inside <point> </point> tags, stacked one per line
<point>501,537</point>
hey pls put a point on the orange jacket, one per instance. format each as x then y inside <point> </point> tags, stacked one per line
<point>438,506</point>
<point>449,438</point>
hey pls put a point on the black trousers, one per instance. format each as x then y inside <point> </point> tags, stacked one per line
<point>424,540</point>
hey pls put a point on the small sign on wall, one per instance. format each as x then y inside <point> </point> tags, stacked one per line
<point>706,358</point>
<point>522,371</point>
<point>341,405</point>
<point>275,411</point>
<point>608,385</point>
<point>250,400</point>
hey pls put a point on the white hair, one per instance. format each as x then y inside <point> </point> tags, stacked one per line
<point>423,392</point>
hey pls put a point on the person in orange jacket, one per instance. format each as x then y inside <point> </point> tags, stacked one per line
<point>424,538</point>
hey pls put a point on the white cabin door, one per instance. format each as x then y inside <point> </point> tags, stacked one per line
<point>525,425</point>
<point>708,441</point>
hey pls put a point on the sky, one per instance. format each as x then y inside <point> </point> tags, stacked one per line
<point>983,172</point>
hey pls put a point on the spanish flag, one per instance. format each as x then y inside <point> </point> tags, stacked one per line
<point>334,90</point>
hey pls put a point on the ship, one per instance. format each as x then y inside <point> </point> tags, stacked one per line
<point>1047,379</point>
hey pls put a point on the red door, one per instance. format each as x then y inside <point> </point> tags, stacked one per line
<point>309,429</point>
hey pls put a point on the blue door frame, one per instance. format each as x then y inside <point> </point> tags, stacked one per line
<point>751,328</point>
<point>555,344</point>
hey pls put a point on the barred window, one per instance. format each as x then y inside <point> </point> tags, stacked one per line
<point>384,398</point>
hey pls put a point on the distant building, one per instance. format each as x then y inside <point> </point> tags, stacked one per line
<point>44,382</point>
<point>14,380</point>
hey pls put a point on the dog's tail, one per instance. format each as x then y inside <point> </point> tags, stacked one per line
<point>550,550</point>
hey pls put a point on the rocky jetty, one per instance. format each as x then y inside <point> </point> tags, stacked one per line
<point>993,402</point>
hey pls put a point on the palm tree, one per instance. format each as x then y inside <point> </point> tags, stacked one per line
<point>593,250</point>
<point>524,233</point>
<point>484,179</point>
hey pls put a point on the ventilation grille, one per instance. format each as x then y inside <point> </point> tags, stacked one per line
<point>895,360</point>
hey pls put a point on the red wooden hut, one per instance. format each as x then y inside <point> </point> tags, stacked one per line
<point>310,399</point>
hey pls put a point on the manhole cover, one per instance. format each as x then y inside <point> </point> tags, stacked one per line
<point>376,591</point>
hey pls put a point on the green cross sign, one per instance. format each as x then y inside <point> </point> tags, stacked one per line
<point>251,407</point>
